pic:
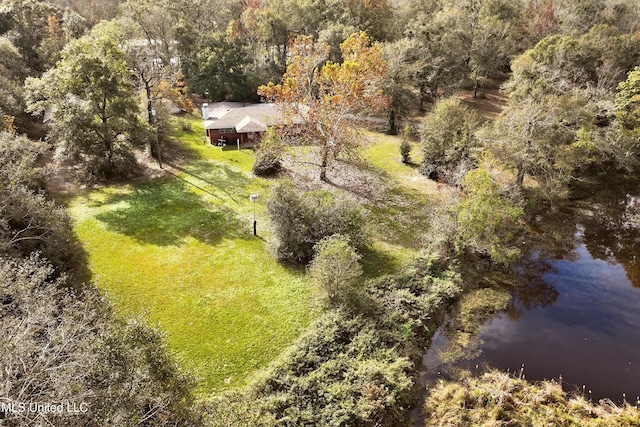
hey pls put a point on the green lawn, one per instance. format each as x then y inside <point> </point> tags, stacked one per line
<point>180,250</point>
<point>403,216</point>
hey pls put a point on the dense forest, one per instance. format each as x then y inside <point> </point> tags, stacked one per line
<point>91,95</point>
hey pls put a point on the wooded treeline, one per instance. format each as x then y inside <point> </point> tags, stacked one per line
<point>561,63</point>
<point>61,342</point>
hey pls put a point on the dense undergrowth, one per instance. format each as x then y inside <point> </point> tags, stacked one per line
<point>357,364</point>
<point>499,399</point>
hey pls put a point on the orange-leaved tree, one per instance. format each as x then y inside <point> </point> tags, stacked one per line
<point>328,96</point>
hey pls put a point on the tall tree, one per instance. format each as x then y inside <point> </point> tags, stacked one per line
<point>91,11</point>
<point>26,26</point>
<point>448,140</point>
<point>220,67</point>
<point>536,136</point>
<point>12,74</point>
<point>594,62</point>
<point>464,41</point>
<point>442,53</point>
<point>578,17</point>
<point>403,59</point>
<point>374,17</point>
<point>490,50</point>
<point>94,109</point>
<point>330,96</point>
<point>148,40</point>
<point>146,37</point>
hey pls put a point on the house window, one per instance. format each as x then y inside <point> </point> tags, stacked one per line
<point>227,130</point>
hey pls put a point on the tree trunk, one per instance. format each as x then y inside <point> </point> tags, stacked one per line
<point>158,150</point>
<point>106,136</point>
<point>520,176</point>
<point>147,89</point>
<point>475,89</point>
<point>323,165</point>
<point>154,149</point>
<point>392,122</point>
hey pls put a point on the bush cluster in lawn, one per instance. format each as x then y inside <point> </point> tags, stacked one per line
<point>355,365</point>
<point>269,156</point>
<point>267,163</point>
<point>300,220</point>
<point>335,266</point>
<point>405,145</point>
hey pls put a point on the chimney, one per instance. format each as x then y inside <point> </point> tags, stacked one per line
<point>205,111</point>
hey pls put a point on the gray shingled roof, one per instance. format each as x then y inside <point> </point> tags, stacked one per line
<point>267,114</point>
<point>249,124</point>
<point>251,118</point>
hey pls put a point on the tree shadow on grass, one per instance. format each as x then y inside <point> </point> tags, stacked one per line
<point>402,218</point>
<point>165,212</point>
<point>221,177</point>
<point>376,263</point>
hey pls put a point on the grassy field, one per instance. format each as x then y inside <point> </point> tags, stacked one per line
<point>180,251</point>
<point>402,215</point>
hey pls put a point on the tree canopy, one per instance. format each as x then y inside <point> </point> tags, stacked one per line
<point>94,110</point>
<point>329,96</point>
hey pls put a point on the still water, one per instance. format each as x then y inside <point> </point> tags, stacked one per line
<point>578,314</point>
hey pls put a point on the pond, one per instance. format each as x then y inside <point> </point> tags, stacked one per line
<point>577,315</point>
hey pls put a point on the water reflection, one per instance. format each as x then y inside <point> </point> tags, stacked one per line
<point>532,290</point>
<point>576,305</point>
<point>612,233</point>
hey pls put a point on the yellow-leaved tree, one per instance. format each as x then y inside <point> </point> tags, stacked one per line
<point>328,96</point>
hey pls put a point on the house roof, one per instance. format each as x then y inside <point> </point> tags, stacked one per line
<point>219,109</point>
<point>249,124</point>
<point>250,118</point>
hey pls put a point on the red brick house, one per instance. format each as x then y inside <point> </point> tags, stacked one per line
<point>230,124</point>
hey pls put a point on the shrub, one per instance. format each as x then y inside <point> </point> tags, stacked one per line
<point>405,145</point>
<point>300,220</point>
<point>496,397</point>
<point>186,126</point>
<point>339,373</point>
<point>487,221</point>
<point>236,408</point>
<point>448,140</point>
<point>268,157</point>
<point>18,161</point>
<point>266,163</point>
<point>410,303</point>
<point>29,222</point>
<point>335,266</point>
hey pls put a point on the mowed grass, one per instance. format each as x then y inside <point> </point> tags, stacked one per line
<point>403,217</point>
<point>180,251</point>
